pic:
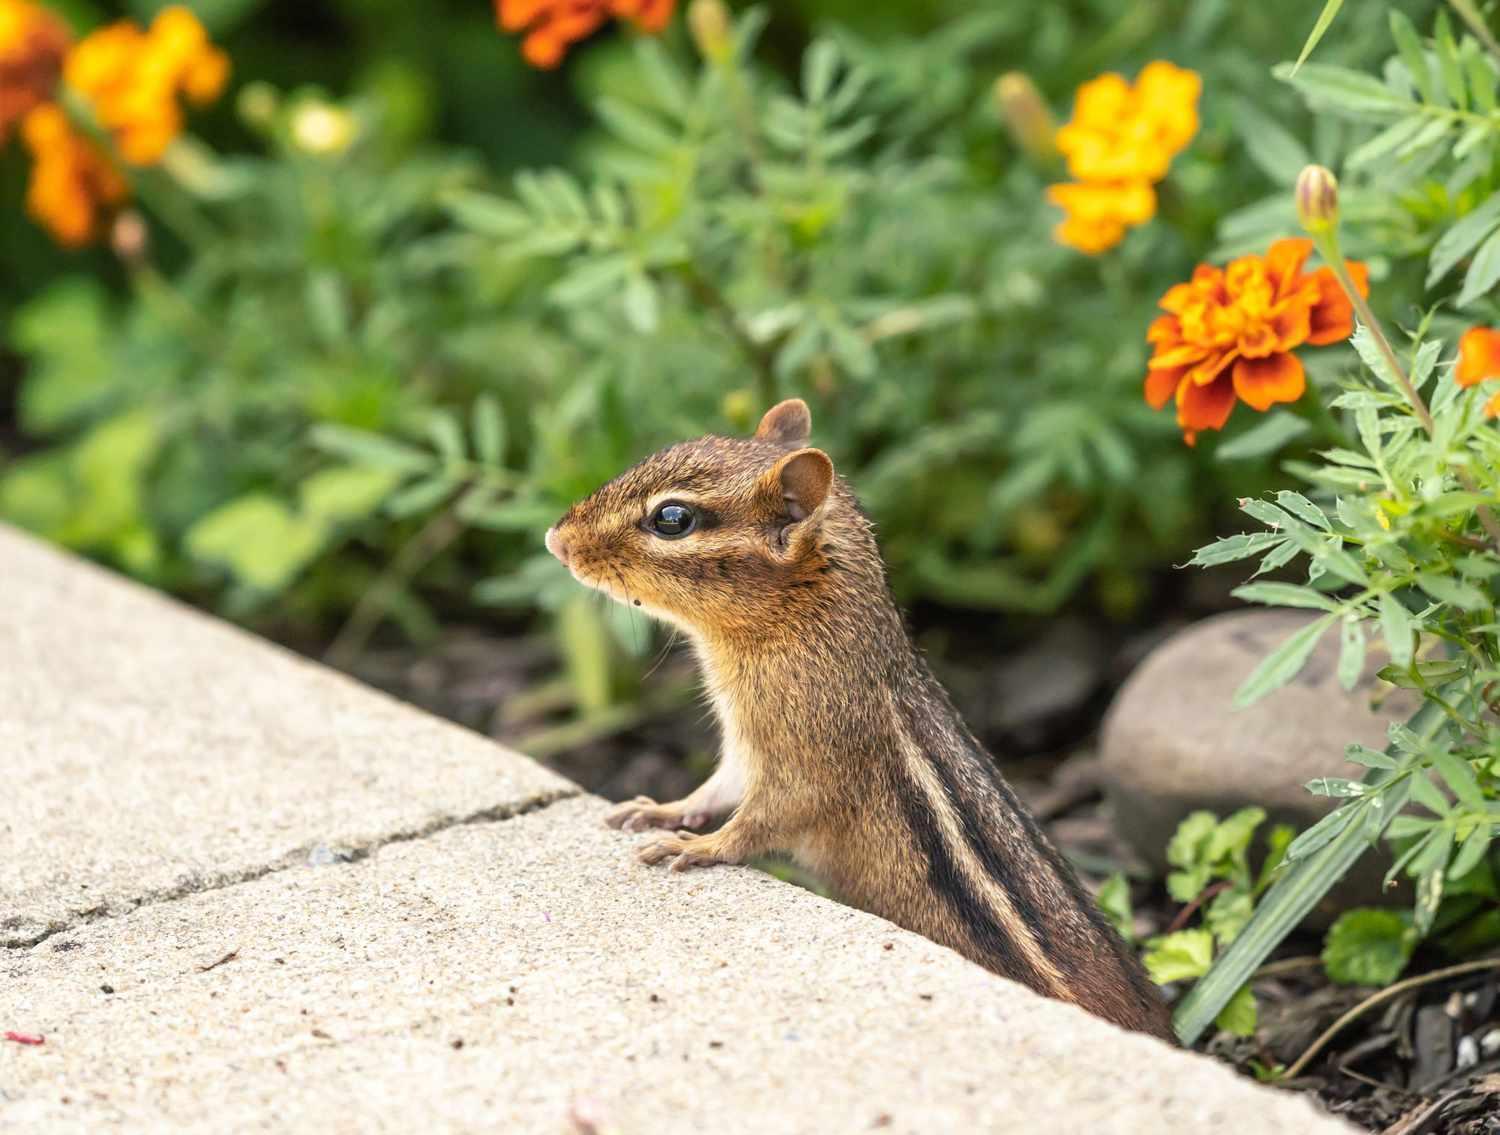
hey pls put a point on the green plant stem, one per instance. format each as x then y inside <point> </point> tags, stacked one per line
<point>1469,14</point>
<point>434,536</point>
<point>1380,998</point>
<point>755,353</point>
<point>1328,247</point>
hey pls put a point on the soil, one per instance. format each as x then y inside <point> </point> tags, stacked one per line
<point>1425,1061</point>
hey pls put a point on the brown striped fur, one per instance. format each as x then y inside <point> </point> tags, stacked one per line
<point>840,747</point>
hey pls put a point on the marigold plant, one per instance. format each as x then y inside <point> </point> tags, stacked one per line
<point>1119,144</point>
<point>1229,333</point>
<point>552,26</point>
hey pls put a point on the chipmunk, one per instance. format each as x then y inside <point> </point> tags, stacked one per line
<point>839,745</point>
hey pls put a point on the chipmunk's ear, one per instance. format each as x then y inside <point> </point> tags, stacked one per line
<point>786,423</point>
<point>802,480</point>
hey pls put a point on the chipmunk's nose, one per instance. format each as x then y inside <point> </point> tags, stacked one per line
<point>556,544</point>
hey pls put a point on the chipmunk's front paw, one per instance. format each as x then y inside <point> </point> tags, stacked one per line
<point>684,850</point>
<point>643,812</point>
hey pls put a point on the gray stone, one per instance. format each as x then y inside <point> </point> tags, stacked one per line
<point>528,975</point>
<point>1173,741</point>
<point>148,750</point>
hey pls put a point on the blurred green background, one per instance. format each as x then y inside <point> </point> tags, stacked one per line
<point>343,391</point>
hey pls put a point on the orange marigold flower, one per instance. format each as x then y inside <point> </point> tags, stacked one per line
<point>70,179</point>
<point>1479,361</point>
<point>132,79</point>
<point>1120,142</point>
<point>1229,334</point>
<point>551,26</point>
<point>33,42</point>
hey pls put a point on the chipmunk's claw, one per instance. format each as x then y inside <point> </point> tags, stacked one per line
<point>685,849</point>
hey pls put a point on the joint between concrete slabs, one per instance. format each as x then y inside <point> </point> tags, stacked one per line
<point>298,856</point>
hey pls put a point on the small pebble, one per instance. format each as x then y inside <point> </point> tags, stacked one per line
<point>1489,1044</point>
<point>1468,1052</point>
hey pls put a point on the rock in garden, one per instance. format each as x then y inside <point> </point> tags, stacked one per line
<point>1173,741</point>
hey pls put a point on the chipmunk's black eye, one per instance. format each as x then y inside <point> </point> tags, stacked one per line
<point>671,520</point>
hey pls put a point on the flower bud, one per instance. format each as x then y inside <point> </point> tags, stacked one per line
<point>1026,115</point>
<point>129,237</point>
<point>1317,196</point>
<point>258,104</point>
<point>712,29</point>
<point>323,129</point>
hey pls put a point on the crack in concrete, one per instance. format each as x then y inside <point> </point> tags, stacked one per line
<point>299,857</point>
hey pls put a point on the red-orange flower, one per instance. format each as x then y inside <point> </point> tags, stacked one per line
<point>551,26</point>
<point>1229,334</point>
<point>33,42</point>
<point>1479,361</point>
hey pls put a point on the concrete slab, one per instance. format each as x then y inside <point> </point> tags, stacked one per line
<point>527,975</point>
<point>147,751</point>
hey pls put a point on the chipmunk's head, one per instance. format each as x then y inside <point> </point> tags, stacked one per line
<point>717,533</point>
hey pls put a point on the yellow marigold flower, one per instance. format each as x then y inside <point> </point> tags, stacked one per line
<point>70,178</point>
<point>1121,132</point>
<point>1098,213</point>
<point>1121,140</point>
<point>132,79</point>
<point>33,42</point>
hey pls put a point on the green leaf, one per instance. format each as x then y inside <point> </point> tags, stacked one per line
<point>1284,595</point>
<point>1459,776</point>
<point>1188,842</point>
<point>1351,653</point>
<point>1324,831</point>
<point>1471,853</point>
<point>487,426</point>
<point>1303,509</point>
<point>1446,589</point>
<point>1238,1017</point>
<point>1267,436</point>
<point>369,449</point>
<point>1237,547</point>
<point>1366,946</point>
<point>423,496</point>
<point>1228,914</point>
<point>1320,28</point>
<point>1114,901</point>
<point>1430,895</point>
<point>447,435</point>
<point>257,538</point>
<point>1341,90</point>
<point>489,215</point>
<point>345,493</point>
<point>1179,957</point>
<point>1462,238</point>
<point>1396,628</point>
<point>641,303</point>
<point>1392,138</point>
<point>1450,65</point>
<point>1282,664</point>
<point>1368,757</point>
<point>1413,55</point>
<point>1271,146</point>
<point>1334,786</point>
<point>1484,272</point>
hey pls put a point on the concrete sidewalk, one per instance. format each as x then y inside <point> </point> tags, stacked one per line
<point>243,893</point>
